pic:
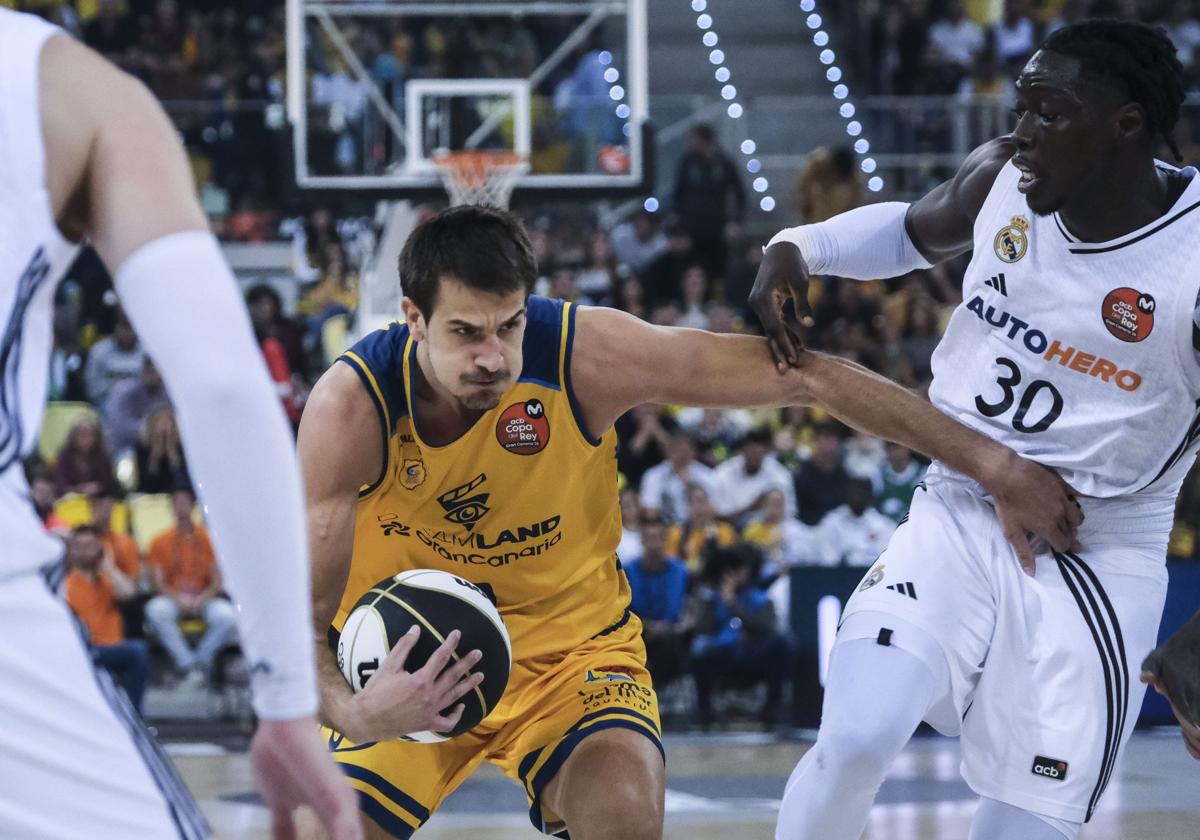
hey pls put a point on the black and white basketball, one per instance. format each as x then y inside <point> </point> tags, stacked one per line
<point>439,603</point>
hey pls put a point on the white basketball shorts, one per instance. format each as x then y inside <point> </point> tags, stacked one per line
<point>75,760</point>
<point>1038,674</point>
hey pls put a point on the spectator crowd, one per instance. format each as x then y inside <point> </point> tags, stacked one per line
<point>718,506</point>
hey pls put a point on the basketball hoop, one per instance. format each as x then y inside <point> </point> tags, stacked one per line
<point>480,176</point>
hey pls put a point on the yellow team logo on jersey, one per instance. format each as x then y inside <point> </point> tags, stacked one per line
<point>1012,241</point>
<point>412,473</point>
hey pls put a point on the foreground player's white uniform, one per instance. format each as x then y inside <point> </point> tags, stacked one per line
<point>1080,357</point>
<point>72,753</point>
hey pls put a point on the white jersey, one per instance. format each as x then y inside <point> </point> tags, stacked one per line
<point>33,257</point>
<point>1079,355</point>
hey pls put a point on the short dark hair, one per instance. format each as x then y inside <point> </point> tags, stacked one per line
<point>1139,59</point>
<point>759,434</point>
<point>263,291</point>
<point>484,248</point>
<point>704,131</point>
<point>86,528</point>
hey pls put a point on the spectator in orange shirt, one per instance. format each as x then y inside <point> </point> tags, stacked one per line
<point>95,587</point>
<point>188,582</point>
<point>125,553</point>
<point>121,547</point>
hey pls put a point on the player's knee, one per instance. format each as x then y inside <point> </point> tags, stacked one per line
<point>633,812</point>
<point>854,753</point>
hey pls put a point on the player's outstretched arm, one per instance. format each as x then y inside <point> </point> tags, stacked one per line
<point>1173,668</point>
<point>619,361</point>
<point>876,241</point>
<point>340,453</point>
<point>117,172</point>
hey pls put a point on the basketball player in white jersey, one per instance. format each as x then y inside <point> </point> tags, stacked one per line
<point>85,151</point>
<point>1075,346</point>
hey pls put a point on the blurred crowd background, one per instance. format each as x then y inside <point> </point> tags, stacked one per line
<point>717,505</point>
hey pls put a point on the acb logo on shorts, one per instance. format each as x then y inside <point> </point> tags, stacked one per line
<point>523,428</point>
<point>1050,768</point>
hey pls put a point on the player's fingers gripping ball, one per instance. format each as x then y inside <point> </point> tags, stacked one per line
<point>438,603</point>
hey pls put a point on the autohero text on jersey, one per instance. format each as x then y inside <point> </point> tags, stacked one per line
<point>1035,342</point>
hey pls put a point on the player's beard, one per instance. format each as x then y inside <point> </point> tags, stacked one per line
<point>487,397</point>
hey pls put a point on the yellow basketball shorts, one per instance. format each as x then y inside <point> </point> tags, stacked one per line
<point>550,706</point>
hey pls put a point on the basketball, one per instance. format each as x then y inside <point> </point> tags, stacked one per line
<point>439,603</point>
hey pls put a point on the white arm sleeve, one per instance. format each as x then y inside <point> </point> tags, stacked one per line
<point>183,302</point>
<point>866,243</point>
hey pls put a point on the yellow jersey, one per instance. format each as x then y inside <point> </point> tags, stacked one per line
<point>525,501</point>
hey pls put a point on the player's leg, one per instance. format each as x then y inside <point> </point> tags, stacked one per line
<point>74,758</point>
<point>1001,821</point>
<point>908,649</point>
<point>587,743</point>
<point>1059,693</point>
<point>611,788</point>
<point>829,794</point>
<point>162,613</point>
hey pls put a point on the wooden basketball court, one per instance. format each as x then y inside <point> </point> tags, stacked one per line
<point>728,786</point>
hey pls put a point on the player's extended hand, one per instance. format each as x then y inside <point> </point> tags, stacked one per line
<point>782,277</point>
<point>395,702</point>
<point>1031,499</point>
<point>293,768</point>
<point>1173,668</point>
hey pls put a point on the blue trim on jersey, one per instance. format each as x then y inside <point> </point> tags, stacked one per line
<point>576,408</point>
<point>384,818</point>
<point>387,790</point>
<point>572,739</point>
<point>543,336</point>
<point>365,377</point>
<point>552,386</point>
<point>383,352</point>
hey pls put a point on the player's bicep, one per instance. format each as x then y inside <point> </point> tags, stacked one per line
<point>621,361</point>
<point>340,451</point>
<point>942,223</point>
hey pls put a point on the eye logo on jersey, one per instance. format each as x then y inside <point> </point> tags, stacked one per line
<point>523,428</point>
<point>412,474</point>
<point>461,507</point>
<point>1012,241</point>
<point>1128,314</point>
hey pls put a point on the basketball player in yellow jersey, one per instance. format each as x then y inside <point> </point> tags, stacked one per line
<point>477,437</point>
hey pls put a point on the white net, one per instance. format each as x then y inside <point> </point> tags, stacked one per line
<point>480,177</point>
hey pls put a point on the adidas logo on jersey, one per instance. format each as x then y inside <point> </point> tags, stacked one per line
<point>905,588</point>
<point>998,284</point>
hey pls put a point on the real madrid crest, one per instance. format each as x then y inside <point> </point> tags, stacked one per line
<point>873,577</point>
<point>1012,241</point>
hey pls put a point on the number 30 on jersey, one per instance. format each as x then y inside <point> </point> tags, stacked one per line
<point>1026,399</point>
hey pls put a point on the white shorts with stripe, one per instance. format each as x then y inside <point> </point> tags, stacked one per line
<point>1039,674</point>
<point>75,760</point>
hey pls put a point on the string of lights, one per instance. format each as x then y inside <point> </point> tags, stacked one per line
<point>833,74</point>
<point>734,110</point>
